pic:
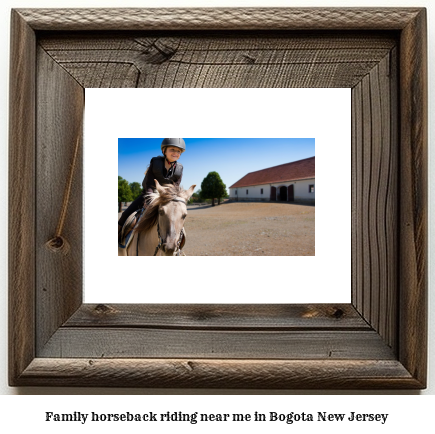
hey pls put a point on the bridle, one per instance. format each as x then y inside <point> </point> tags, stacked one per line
<point>178,251</point>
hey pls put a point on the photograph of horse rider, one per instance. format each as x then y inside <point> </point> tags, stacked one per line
<point>165,168</point>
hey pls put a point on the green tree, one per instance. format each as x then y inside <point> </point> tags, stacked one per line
<point>124,192</point>
<point>136,189</point>
<point>195,197</point>
<point>212,187</point>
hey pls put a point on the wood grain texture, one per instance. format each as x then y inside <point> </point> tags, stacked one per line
<point>220,317</point>
<point>59,278</point>
<point>234,60</point>
<point>220,18</point>
<point>229,374</point>
<point>388,299</point>
<point>378,342</point>
<point>413,189</point>
<point>21,259</point>
<point>127,342</point>
<point>375,198</point>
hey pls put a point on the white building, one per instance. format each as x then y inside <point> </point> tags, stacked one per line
<point>290,182</point>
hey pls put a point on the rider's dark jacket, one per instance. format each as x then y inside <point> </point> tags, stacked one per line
<point>156,170</point>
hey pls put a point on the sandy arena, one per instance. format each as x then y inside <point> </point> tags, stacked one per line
<point>250,229</point>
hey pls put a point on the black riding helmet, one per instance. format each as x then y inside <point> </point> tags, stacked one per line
<point>176,143</point>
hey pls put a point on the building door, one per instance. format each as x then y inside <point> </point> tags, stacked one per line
<point>273,193</point>
<point>291,193</point>
<point>283,194</point>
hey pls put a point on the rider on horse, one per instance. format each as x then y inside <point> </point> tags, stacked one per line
<point>165,169</point>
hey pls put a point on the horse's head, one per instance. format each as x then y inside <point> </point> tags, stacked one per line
<point>172,211</point>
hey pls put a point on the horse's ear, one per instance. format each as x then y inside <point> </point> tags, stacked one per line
<point>159,188</point>
<point>188,193</point>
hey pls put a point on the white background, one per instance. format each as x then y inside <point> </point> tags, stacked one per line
<point>320,113</point>
<point>411,413</point>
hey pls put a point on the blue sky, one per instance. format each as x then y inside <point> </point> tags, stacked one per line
<point>231,158</point>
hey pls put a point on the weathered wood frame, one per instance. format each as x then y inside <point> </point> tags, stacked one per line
<point>377,341</point>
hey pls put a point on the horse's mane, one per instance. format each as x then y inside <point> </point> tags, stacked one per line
<point>153,201</point>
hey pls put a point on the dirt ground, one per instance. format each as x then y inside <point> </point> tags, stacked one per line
<point>250,229</point>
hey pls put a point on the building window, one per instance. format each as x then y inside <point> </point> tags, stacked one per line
<point>261,191</point>
<point>311,189</point>
<point>236,192</point>
<point>247,191</point>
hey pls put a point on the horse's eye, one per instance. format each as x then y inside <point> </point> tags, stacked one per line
<point>161,212</point>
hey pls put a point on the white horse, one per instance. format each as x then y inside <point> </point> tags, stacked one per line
<point>159,229</point>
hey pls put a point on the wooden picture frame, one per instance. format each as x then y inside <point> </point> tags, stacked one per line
<point>376,341</point>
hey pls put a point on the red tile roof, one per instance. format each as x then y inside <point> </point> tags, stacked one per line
<point>302,169</point>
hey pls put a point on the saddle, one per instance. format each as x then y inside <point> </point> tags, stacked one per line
<point>125,235</point>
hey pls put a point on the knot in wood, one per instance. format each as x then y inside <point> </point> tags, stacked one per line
<point>103,309</point>
<point>338,313</point>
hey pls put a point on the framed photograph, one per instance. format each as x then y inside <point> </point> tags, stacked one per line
<point>278,240</point>
<point>375,341</point>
